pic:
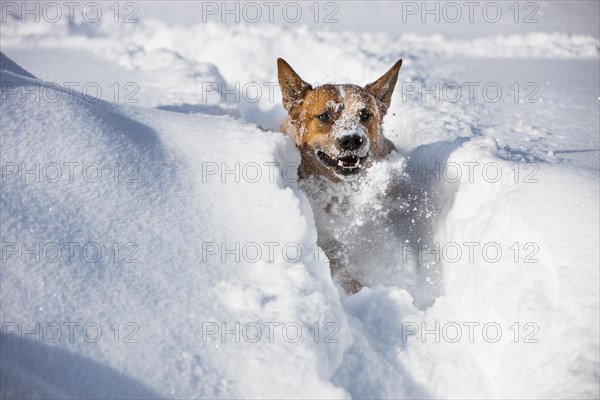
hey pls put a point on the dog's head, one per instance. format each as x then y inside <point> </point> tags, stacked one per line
<point>338,128</point>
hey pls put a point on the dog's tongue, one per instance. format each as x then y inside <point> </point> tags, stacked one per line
<point>348,161</point>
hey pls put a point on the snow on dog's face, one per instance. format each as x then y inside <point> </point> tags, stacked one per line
<point>336,127</point>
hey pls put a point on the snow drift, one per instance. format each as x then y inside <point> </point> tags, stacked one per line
<point>169,253</point>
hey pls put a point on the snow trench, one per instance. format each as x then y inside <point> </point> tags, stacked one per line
<point>182,280</point>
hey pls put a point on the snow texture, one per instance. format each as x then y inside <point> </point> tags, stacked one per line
<point>130,253</point>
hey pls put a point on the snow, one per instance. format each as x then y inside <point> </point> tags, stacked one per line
<point>160,176</point>
<point>170,214</point>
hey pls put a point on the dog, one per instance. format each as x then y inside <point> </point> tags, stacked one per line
<point>338,129</point>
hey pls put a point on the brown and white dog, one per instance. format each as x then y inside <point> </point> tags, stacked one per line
<point>338,130</point>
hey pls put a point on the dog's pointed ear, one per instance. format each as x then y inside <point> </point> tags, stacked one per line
<point>383,87</point>
<point>293,88</point>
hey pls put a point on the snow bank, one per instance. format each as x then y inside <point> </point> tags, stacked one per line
<point>178,192</point>
<point>541,291</point>
<point>519,282</point>
<point>150,223</point>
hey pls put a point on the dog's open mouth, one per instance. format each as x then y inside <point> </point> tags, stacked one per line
<point>348,165</point>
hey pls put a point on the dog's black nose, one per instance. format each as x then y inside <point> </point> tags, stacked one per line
<point>351,142</point>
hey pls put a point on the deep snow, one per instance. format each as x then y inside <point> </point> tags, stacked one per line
<point>163,215</point>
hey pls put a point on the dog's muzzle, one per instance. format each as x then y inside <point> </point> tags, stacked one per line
<point>346,166</point>
<point>349,154</point>
<point>351,142</point>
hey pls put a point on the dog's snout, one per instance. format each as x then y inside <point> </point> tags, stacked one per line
<point>351,142</point>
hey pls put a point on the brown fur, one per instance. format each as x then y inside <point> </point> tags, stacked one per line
<point>352,111</point>
<point>304,103</point>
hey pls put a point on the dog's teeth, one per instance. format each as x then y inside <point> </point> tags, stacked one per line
<point>345,165</point>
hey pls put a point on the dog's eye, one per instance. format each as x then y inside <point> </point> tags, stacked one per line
<point>324,117</point>
<point>364,115</point>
